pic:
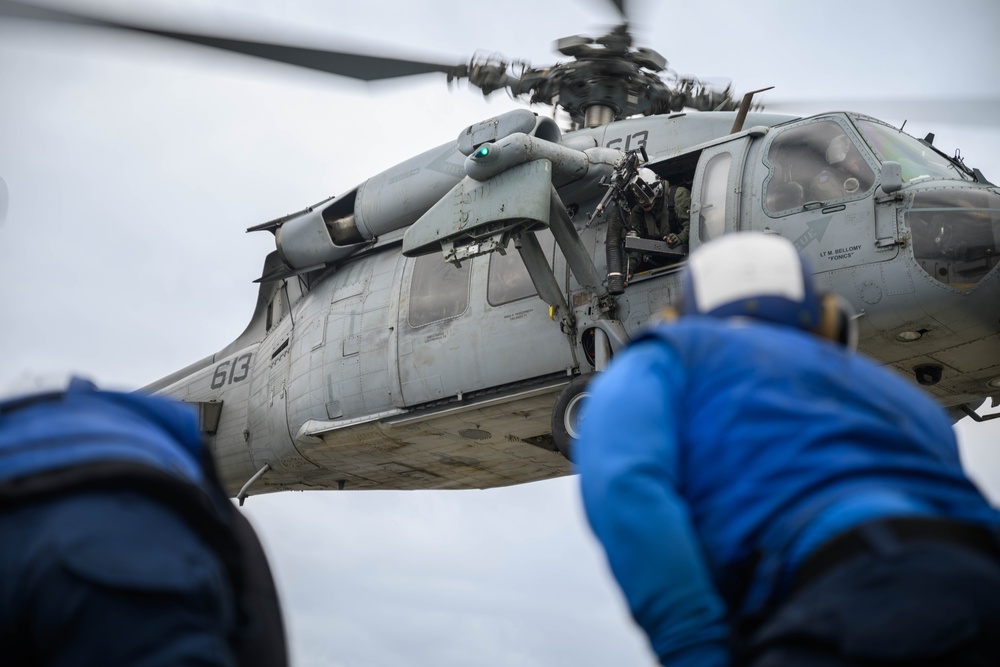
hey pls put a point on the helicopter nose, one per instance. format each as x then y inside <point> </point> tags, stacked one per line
<point>956,234</point>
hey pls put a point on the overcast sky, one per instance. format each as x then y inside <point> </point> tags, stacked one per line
<point>133,167</point>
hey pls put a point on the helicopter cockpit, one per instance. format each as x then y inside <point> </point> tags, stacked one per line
<point>953,223</point>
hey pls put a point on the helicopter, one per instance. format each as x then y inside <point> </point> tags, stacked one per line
<point>341,382</point>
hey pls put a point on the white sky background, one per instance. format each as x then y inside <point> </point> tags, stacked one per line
<point>135,165</point>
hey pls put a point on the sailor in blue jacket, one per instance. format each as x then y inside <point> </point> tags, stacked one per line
<point>118,545</point>
<point>765,496</point>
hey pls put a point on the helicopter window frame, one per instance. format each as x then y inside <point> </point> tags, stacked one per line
<point>438,290</point>
<point>810,171</point>
<point>508,279</point>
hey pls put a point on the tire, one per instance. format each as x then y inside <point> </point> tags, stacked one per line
<point>566,415</point>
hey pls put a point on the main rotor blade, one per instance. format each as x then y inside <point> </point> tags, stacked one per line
<point>353,65</point>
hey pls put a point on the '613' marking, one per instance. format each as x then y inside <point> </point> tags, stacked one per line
<point>236,371</point>
<point>638,139</point>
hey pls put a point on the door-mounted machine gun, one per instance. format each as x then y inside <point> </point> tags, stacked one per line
<point>624,175</point>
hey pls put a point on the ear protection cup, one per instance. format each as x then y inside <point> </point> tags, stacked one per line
<point>837,320</point>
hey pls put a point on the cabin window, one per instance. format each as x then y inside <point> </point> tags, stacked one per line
<point>815,162</point>
<point>509,279</point>
<point>438,290</point>
<point>712,216</point>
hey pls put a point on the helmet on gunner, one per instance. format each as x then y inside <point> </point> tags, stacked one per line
<point>763,276</point>
<point>646,187</point>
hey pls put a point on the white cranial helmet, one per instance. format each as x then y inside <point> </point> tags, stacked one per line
<point>649,177</point>
<point>646,187</point>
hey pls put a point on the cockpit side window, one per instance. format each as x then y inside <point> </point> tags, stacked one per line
<point>438,290</point>
<point>815,162</point>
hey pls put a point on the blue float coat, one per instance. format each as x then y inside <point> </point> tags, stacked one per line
<point>127,551</point>
<point>85,425</point>
<point>713,444</point>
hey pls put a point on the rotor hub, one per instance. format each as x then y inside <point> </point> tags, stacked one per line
<point>607,80</point>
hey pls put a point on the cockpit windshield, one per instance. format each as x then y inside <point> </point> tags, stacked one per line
<point>917,160</point>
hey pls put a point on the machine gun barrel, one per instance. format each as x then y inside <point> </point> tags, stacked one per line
<point>611,190</point>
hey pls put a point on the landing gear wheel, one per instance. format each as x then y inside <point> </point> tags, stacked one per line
<point>567,415</point>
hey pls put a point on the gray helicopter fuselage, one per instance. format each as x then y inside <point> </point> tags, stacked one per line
<point>363,367</point>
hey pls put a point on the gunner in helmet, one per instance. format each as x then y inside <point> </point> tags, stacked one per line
<point>661,211</point>
<point>766,496</point>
